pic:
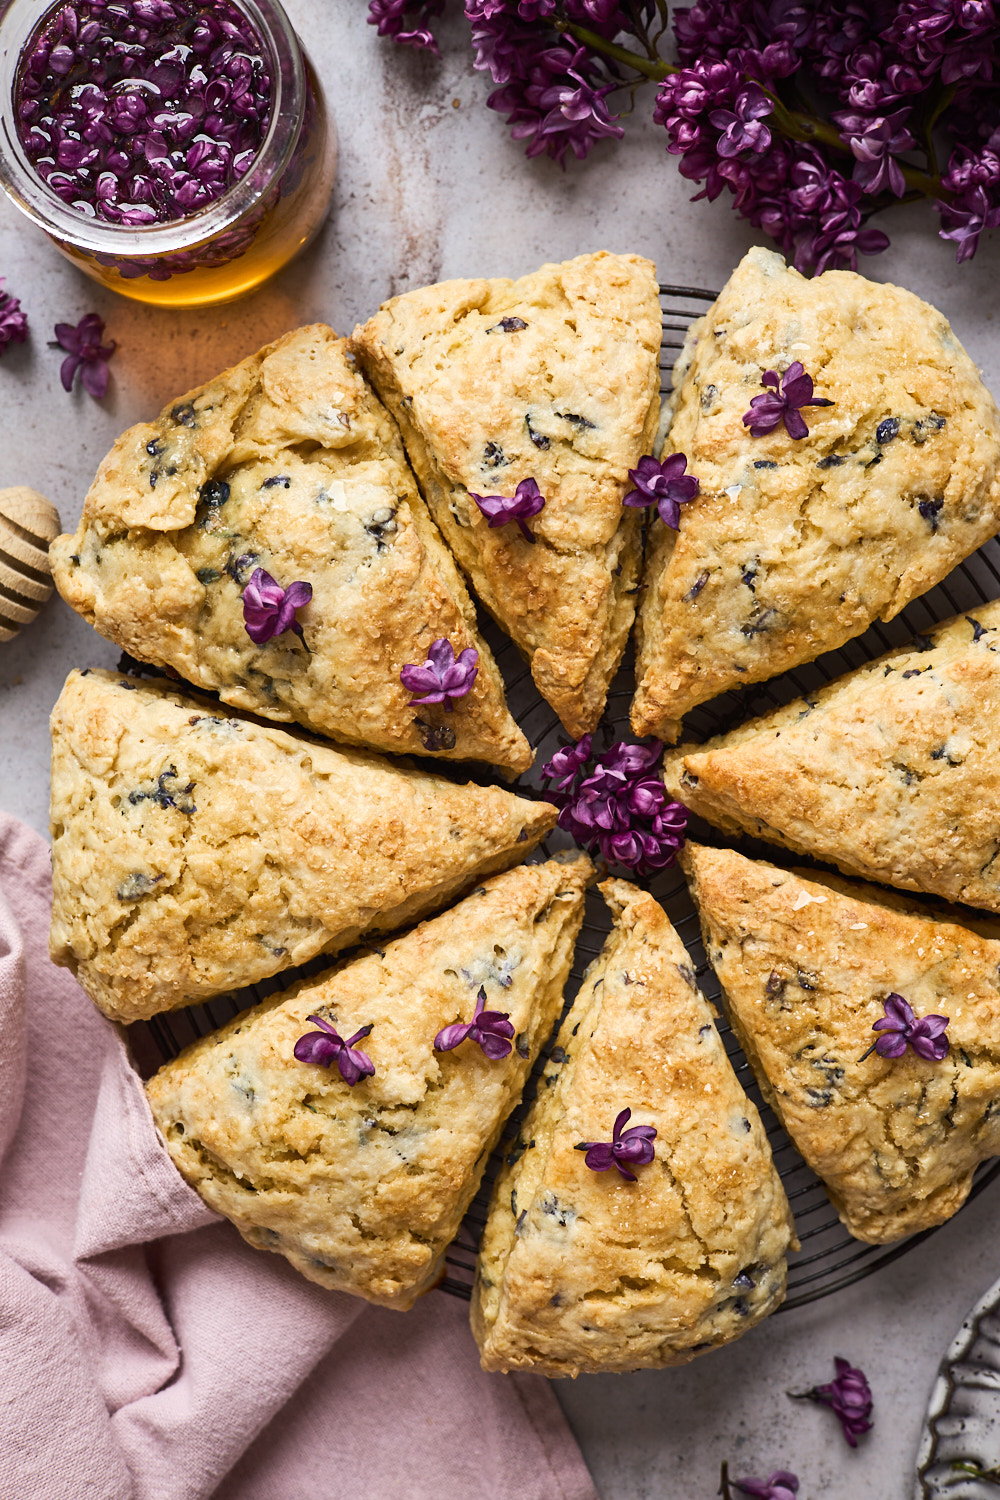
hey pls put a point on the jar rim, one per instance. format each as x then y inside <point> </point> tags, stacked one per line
<point>36,199</point>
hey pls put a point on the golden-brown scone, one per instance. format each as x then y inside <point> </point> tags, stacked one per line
<point>286,463</point>
<point>195,853</point>
<point>363,1187</point>
<point>584,1271</point>
<point>890,773</point>
<point>806,963</point>
<point>554,378</point>
<point>794,546</point>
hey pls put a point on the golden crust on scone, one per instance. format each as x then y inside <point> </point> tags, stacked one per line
<point>286,463</point>
<point>794,546</point>
<point>584,1271</point>
<point>890,772</point>
<point>363,1187</point>
<point>555,378</point>
<point>195,853</point>
<point>806,964</point>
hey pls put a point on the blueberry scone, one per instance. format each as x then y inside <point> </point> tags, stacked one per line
<point>362,1185</point>
<point>552,378</point>
<point>890,773</point>
<point>286,464</point>
<point>586,1270</point>
<point>196,852</point>
<point>806,965</point>
<point>795,545</point>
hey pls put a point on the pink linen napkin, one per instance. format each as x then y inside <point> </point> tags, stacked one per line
<point>147,1353</point>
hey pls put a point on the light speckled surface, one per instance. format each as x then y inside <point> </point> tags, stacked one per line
<point>428,190</point>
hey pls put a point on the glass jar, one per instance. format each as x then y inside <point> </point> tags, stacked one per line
<point>225,249</point>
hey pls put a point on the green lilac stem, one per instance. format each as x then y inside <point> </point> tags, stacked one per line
<point>793,124</point>
<point>992,1476</point>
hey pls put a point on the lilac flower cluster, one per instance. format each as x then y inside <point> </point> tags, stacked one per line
<point>13,322</point>
<point>143,113</point>
<point>896,86</point>
<point>620,807</point>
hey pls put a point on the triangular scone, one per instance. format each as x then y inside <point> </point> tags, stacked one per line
<point>890,773</point>
<point>286,463</point>
<point>795,546</point>
<point>195,853</point>
<point>554,378</point>
<point>806,963</point>
<point>583,1271</point>
<point>363,1187</point>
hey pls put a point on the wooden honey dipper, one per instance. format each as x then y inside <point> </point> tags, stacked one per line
<point>28,523</point>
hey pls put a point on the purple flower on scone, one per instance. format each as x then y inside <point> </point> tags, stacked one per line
<point>328,1046</point>
<point>627,1148</point>
<point>443,676</point>
<point>269,610</point>
<point>86,353</point>
<point>782,405</point>
<point>621,808</point>
<point>781,1485</point>
<point>13,322</point>
<point>848,1396</point>
<point>901,1029</point>
<point>664,485</point>
<point>526,501</point>
<point>491,1030</point>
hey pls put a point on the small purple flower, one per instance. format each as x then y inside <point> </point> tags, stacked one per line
<point>901,1029</point>
<point>849,1398</point>
<point>489,1029</point>
<point>966,216</point>
<point>874,142</point>
<point>390,18</point>
<point>526,501</point>
<point>781,1485</point>
<point>664,485</point>
<point>327,1046</point>
<point>269,610</point>
<point>740,126</point>
<point>566,765</point>
<point>443,676</point>
<point>783,406</point>
<point>634,1146</point>
<point>13,322</point>
<point>86,353</point>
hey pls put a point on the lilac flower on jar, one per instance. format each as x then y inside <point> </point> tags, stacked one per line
<point>269,610</point>
<point>86,353</point>
<point>491,1030</point>
<point>443,677</point>
<point>901,1029</point>
<point>13,322</point>
<point>741,126</point>
<point>664,485</point>
<point>782,402</point>
<point>327,1046</point>
<point>526,501</point>
<point>627,1148</point>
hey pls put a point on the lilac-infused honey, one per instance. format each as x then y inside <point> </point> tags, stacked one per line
<point>193,128</point>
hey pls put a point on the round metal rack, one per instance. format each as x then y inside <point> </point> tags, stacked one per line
<point>830,1258</point>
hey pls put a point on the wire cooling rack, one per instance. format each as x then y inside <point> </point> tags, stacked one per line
<point>829,1258</point>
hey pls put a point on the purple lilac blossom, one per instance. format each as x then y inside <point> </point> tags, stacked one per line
<point>142,114</point>
<point>781,1485</point>
<point>443,676</point>
<point>406,21</point>
<point>491,1030</point>
<point>783,405</point>
<point>269,610</point>
<point>555,106</point>
<point>621,808</point>
<point>741,126</point>
<point>526,501</point>
<point>327,1046</point>
<point>664,485</point>
<point>850,1399</point>
<point>13,322</point>
<point>633,1146</point>
<point>86,353</point>
<point>874,143</point>
<point>901,1029</point>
